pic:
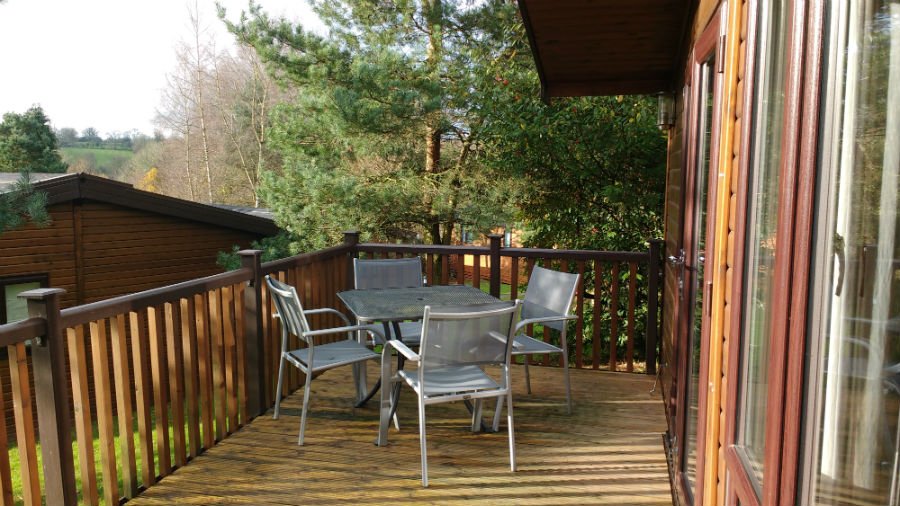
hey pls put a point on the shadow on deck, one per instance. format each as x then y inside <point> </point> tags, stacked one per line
<point>609,451</point>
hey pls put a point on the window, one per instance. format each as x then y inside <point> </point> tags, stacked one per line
<point>852,430</point>
<point>15,308</point>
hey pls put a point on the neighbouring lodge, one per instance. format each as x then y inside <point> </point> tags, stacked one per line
<point>107,239</point>
<point>781,357</point>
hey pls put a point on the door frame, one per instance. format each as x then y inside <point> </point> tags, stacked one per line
<point>707,45</point>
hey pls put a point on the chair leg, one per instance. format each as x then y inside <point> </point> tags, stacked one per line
<point>565,361</point>
<point>278,388</point>
<point>305,406</point>
<point>511,429</point>
<point>476,415</point>
<point>422,442</point>
<point>386,405</point>
<point>497,411</point>
<point>527,376</point>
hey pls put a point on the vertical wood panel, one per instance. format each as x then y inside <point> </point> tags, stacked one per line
<point>476,271</point>
<point>514,279</point>
<point>445,269</point>
<point>103,399</point>
<point>614,318</point>
<point>597,338</point>
<point>25,437</point>
<point>191,375</point>
<point>632,296</point>
<point>142,389</point>
<point>84,434</point>
<point>160,392</point>
<point>217,353</point>
<point>6,492</point>
<point>176,383</point>
<point>201,316</point>
<point>429,269</point>
<point>230,352</point>
<point>124,405</point>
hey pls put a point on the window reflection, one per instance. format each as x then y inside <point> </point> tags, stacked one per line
<point>853,441</point>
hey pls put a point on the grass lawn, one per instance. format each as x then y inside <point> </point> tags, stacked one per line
<point>107,161</point>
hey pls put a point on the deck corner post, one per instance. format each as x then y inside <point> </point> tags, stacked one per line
<point>253,334</point>
<point>51,391</point>
<point>653,283</point>
<point>496,246</point>
<point>351,240</point>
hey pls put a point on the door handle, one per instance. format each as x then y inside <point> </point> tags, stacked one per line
<point>676,261</point>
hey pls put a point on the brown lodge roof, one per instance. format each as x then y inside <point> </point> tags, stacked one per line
<point>71,187</point>
<point>606,47</point>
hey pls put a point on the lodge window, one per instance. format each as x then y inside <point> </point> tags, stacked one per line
<point>852,428</point>
<point>761,230</point>
<point>14,308</point>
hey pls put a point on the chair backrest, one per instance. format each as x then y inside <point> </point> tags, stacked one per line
<point>290,311</point>
<point>387,273</point>
<point>464,335</point>
<point>553,290</point>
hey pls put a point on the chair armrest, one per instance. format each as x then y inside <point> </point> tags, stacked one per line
<point>530,321</point>
<point>329,310</point>
<point>338,330</point>
<point>401,348</point>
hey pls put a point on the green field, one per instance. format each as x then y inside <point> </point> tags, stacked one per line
<point>109,162</point>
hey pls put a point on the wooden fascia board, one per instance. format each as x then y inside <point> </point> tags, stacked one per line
<point>599,88</point>
<point>538,63</point>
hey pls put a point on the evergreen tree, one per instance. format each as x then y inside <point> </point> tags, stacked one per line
<point>28,143</point>
<point>22,203</point>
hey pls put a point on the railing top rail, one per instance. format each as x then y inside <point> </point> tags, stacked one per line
<point>563,254</point>
<point>136,301</point>
<point>23,330</point>
<point>305,258</point>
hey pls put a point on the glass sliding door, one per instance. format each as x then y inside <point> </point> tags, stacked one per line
<point>852,433</point>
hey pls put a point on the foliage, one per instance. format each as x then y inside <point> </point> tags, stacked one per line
<point>28,143</point>
<point>22,203</point>
<point>150,181</point>
<point>110,163</point>
<point>273,248</point>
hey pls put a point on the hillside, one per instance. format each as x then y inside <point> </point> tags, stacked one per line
<point>106,162</point>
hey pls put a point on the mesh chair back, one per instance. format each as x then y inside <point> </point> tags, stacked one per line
<point>549,289</point>
<point>287,303</point>
<point>387,273</point>
<point>466,335</point>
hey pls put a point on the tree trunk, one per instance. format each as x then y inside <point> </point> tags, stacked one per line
<point>432,12</point>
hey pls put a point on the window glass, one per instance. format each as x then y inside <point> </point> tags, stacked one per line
<point>761,247</point>
<point>16,308</point>
<point>853,426</point>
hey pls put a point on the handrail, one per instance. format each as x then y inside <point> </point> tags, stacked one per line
<point>155,296</point>
<point>561,254</point>
<point>305,258</point>
<point>23,330</point>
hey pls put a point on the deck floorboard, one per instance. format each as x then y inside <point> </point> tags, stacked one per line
<point>609,451</point>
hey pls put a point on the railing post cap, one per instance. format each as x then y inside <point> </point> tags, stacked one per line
<point>250,252</point>
<point>495,236</point>
<point>41,293</point>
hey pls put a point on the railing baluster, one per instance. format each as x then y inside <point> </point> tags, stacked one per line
<point>22,409</point>
<point>241,344</point>
<point>632,297</point>
<point>579,323</point>
<point>514,279</point>
<point>429,269</point>
<point>124,412</point>
<point>191,378</point>
<point>142,392</point>
<point>476,271</point>
<point>597,306</point>
<point>445,269</point>
<point>160,392</point>
<point>201,312</point>
<point>176,383</point>
<point>81,401</point>
<point>614,319</point>
<point>230,373</point>
<point>6,492</point>
<point>103,399</point>
<point>217,352</point>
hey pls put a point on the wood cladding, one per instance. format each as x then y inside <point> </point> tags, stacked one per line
<point>98,250</point>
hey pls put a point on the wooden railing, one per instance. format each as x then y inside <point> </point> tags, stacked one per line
<point>182,367</point>
<point>614,287</point>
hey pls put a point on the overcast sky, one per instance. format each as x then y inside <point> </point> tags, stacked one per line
<point>103,63</point>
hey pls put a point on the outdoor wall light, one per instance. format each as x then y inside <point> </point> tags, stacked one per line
<point>665,118</point>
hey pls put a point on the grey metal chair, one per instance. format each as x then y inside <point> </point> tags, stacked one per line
<point>547,301</point>
<point>392,273</point>
<point>457,343</point>
<point>313,358</point>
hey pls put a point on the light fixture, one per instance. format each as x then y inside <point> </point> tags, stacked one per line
<point>665,118</point>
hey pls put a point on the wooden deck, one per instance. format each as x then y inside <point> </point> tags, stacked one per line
<point>609,451</point>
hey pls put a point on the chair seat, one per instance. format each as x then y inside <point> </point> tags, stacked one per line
<point>331,355</point>
<point>411,332</point>
<point>451,380</point>
<point>526,345</point>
